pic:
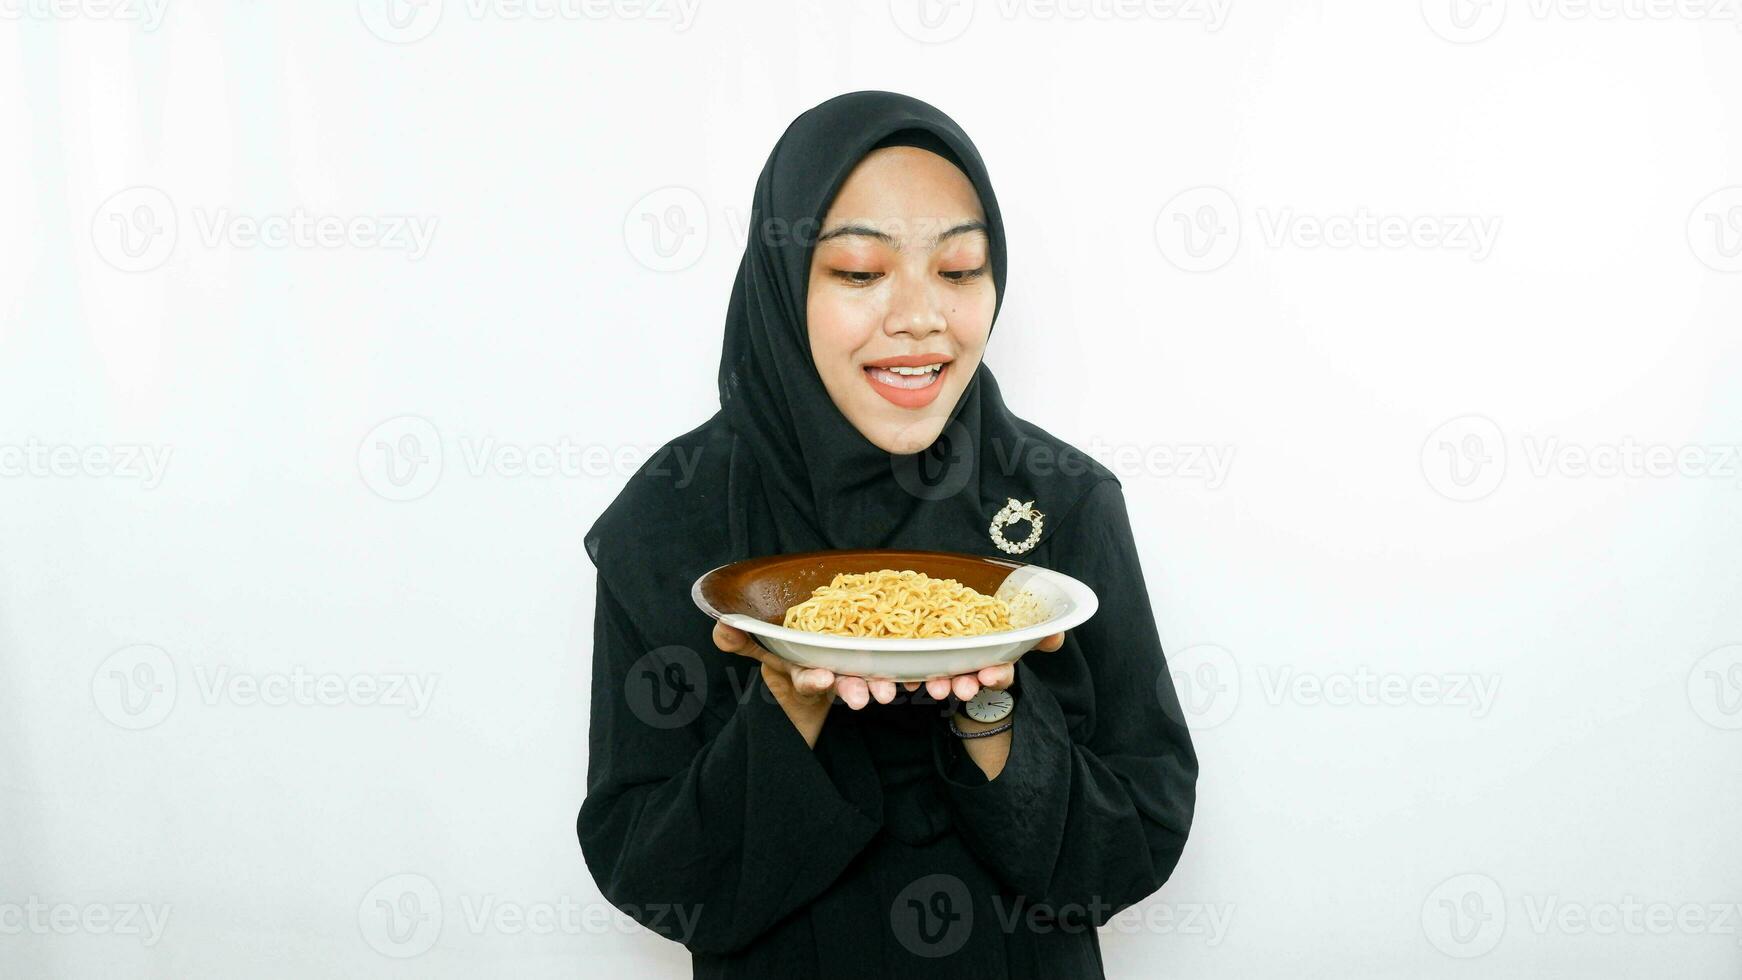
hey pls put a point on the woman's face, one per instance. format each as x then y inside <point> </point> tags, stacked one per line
<point>901,295</point>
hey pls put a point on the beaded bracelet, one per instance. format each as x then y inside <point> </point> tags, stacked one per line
<point>1008,722</point>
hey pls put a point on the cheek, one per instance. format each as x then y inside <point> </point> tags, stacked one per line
<point>971,319</point>
<point>837,329</point>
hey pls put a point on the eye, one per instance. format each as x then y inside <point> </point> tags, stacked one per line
<point>856,277</point>
<point>963,275</point>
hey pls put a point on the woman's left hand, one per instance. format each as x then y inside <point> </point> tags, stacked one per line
<point>997,677</point>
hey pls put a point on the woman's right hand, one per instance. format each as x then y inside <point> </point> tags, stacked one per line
<point>803,687</point>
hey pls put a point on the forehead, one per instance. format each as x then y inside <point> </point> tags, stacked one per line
<point>905,185</point>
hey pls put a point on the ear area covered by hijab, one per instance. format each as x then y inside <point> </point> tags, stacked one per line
<point>779,468</point>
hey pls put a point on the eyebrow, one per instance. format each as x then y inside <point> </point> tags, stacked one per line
<point>865,231</point>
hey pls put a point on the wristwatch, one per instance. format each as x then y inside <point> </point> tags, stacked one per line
<point>987,707</point>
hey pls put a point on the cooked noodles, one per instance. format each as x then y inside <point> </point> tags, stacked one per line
<point>898,604</point>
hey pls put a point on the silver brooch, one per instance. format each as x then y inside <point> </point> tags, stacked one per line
<point>1015,511</point>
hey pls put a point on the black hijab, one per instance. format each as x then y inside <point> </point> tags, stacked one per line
<point>791,470</point>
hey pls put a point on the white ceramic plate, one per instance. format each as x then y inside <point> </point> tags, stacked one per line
<point>1063,601</point>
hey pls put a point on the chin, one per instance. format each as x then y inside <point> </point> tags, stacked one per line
<point>901,439</point>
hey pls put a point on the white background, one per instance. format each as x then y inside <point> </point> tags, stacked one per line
<point>1438,455</point>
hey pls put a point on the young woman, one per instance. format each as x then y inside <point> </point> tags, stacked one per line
<point>787,822</point>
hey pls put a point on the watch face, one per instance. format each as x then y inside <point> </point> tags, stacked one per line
<point>990,705</point>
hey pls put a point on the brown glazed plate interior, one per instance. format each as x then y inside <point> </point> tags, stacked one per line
<point>764,588</point>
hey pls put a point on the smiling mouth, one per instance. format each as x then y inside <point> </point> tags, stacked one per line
<point>909,378</point>
<point>908,387</point>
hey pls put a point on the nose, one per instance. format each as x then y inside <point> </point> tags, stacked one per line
<point>914,308</point>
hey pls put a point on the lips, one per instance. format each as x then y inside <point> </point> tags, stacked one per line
<point>909,381</point>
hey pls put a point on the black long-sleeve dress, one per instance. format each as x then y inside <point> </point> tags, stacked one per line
<point>885,851</point>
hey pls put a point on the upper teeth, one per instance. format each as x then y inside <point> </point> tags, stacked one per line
<point>922,369</point>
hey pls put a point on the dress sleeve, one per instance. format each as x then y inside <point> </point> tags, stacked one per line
<point>1095,799</point>
<point>708,842</point>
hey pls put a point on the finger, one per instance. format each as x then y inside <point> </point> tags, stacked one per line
<point>853,691</point>
<point>811,681</point>
<point>997,677</point>
<point>938,688</point>
<point>737,641</point>
<point>966,686</point>
<point>883,691</point>
<point>1051,643</point>
<point>911,685</point>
